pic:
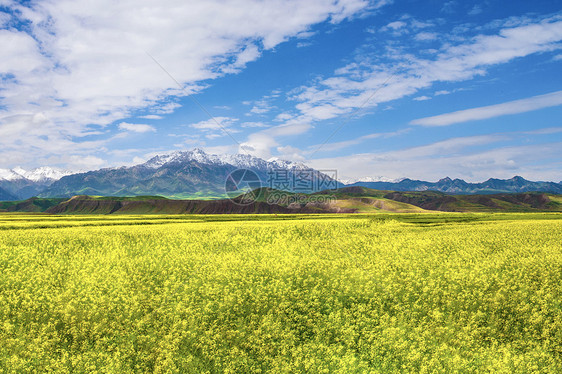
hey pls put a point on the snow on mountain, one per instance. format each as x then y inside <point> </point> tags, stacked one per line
<point>237,160</point>
<point>370,179</point>
<point>46,173</point>
<point>42,174</point>
<point>284,164</point>
<point>9,175</point>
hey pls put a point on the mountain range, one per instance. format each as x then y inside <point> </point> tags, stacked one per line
<point>180,174</point>
<point>19,184</point>
<point>459,186</point>
<point>195,174</point>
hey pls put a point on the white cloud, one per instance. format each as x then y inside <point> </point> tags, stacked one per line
<point>284,117</point>
<point>545,131</point>
<point>83,63</point>
<point>491,111</point>
<point>260,109</point>
<point>85,162</point>
<point>151,116</point>
<point>263,105</point>
<point>422,98</point>
<point>4,19</point>
<point>165,108</point>
<point>216,127</point>
<point>327,147</point>
<point>423,36</point>
<point>136,127</point>
<point>395,25</point>
<point>20,53</point>
<point>477,9</point>
<point>253,124</point>
<point>449,6</point>
<point>222,107</point>
<point>217,123</point>
<point>290,153</point>
<point>353,84</point>
<point>406,25</point>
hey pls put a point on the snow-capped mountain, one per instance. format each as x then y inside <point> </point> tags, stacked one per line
<point>22,184</point>
<point>237,160</point>
<point>186,174</point>
<point>41,174</point>
<point>370,179</point>
<point>9,175</point>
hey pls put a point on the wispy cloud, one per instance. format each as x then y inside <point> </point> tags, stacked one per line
<point>468,158</point>
<point>491,111</point>
<point>151,116</point>
<point>216,127</point>
<point>352,86</point>
<point>348,143</point>
<point>136,127</point>
<point>253,124</point>
<point>424,36</point>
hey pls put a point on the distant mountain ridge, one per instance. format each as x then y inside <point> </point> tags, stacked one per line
<point>459,186</point>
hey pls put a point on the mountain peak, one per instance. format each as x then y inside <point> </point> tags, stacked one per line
<point>370,180</point>
<point>238,160</point>
<point>518,178</point>
<point>9,175</point>
<point>41,174</point>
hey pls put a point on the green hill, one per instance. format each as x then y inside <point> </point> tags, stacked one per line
<point>355,199</point>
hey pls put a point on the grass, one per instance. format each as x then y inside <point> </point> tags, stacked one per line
<point>424,292</point>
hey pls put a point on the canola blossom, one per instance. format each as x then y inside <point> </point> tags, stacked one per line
<point>281,294</point>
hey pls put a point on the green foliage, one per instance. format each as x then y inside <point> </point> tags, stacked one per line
<point>378,293</point>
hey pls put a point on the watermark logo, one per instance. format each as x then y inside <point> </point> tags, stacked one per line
<point>296,200</point>
<point>242,186</point>
<point>287,186</point>
<point>302,180</point>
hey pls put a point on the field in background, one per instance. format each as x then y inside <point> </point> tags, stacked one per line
<point>428,292</point>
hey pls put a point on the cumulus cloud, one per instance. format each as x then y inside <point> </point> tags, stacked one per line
<point>84,64</point>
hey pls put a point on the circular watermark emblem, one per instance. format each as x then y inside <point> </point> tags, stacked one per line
<point>242,186</point>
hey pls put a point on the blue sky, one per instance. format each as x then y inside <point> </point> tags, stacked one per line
<point>419,89</point>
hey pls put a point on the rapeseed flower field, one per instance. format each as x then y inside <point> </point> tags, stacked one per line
<point>418,293</point>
